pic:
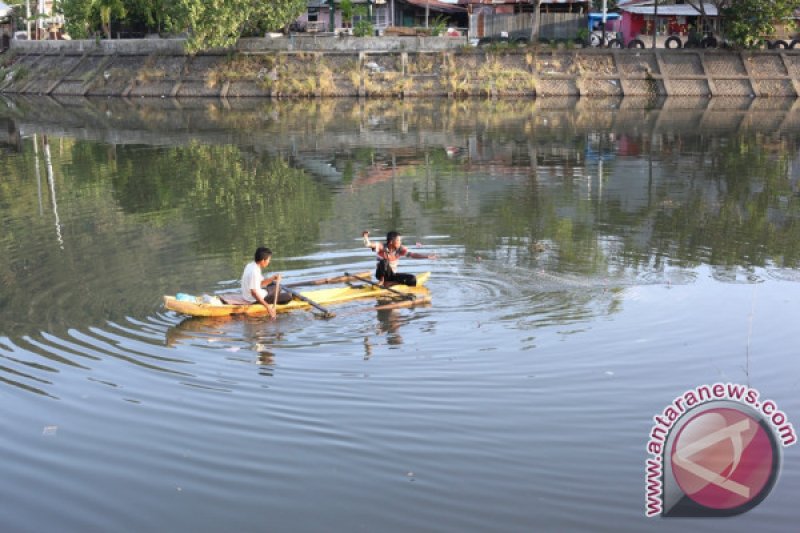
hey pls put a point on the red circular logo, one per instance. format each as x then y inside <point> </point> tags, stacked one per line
<point>723,458</point>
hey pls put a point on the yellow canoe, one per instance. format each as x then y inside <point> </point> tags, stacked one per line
<point>196,306</point>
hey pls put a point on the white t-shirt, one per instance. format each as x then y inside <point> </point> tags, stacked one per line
<point>251,279</point>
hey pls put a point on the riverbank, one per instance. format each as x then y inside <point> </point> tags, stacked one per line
<point>415,67</point>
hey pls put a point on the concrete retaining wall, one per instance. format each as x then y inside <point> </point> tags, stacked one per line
<point>306,42</point>
<point>161,68</point>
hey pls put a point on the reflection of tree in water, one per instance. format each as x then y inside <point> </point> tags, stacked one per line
<point>237,192</point>
<point>717,199</point>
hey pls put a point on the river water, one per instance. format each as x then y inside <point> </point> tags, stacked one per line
<point>596,259</point>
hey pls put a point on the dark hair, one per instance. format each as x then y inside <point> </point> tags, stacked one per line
<point>392,235</point>
<point>262,253</point>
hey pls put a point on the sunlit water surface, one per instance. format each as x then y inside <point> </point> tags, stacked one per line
<point>594,262</point>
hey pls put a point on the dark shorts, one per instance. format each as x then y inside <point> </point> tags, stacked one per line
<point>383,272</point>
<point>283,298</point>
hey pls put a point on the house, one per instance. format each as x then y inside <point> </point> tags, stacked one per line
<point>524,6</point>
<point>559,19</point>
<point>382,14</point>
<point>421,13</point>
<point>639,17</point>
<point>317,17</point>
<point>6,25</point>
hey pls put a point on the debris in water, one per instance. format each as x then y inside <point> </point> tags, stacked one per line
<point>609,373</point>
<point>49,431</point>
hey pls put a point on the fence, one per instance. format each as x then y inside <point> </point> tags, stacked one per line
<point>552,26</point>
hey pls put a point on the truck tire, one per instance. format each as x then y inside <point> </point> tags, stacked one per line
<point>636,43</point>
<point>673,40</point>
<point>615,43</point>
<point>779,44</point>
<point>709,42</point>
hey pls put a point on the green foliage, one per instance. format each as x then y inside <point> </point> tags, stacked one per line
<point>749,22</point>
<point>209,23</point>
<point>83,18</point>
<point>77,17</point>
<point>363,27</point>
<point>438,25</point>
<point>107,9</point>
<point>214,24</point>
<point>347,9</point>
<point>611,5</point>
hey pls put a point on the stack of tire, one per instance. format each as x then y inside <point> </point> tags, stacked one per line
<point>781,44</point>
<point>673,41</point>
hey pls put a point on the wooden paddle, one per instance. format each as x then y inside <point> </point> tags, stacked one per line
<point>326,313</point>
<point>324,281</point>
<point>367,280</point>
<point>275,300</point>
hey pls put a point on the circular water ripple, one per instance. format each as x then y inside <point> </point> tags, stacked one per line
<point>669,277</point>
<point>471,299</point>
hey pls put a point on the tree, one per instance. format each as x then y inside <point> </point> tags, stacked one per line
<point>213,23</point>
<point>83,17</point>
<point>536,16</point>
<point>749,22</point>
<point>210,23</point>
<point>107,9</point>
<point>346,7</point>
<point>700,7</point>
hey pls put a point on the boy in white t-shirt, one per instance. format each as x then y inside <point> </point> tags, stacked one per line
<point>253,282</point>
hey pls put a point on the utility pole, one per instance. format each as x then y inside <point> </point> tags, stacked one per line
<point>655,24</point>
<point>427,11</point>
<point>28,17</point>
<point>332,14</point>
<point>603,25</point>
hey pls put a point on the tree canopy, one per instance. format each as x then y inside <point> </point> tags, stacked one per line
<point>209,23</point>
<point>749,22</point>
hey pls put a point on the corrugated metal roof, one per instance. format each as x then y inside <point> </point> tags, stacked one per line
<point>436,5</point>
<point>516,2</point>
<point>676,10</point>
<point>673,10</point>
<point>324,3</point>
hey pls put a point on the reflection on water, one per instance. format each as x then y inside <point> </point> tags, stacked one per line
<point>596,258</point>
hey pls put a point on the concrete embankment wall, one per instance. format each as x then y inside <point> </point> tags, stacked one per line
<point>387,67</point>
